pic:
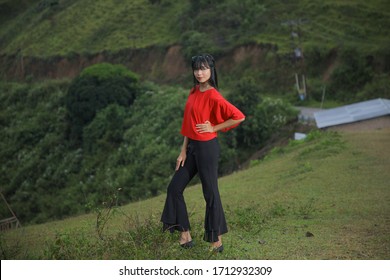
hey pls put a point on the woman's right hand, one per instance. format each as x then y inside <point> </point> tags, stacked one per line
<point>181,159</point>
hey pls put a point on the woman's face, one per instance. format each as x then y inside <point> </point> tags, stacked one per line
<point>203,74</point>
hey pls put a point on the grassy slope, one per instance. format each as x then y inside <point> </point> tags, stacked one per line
<point>333,187</point>
<point>359,23</point>
<point>90,26</point>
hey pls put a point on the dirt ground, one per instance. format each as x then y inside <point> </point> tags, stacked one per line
<point>367,125</point>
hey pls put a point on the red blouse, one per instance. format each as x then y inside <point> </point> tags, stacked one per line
<point>210,106</point>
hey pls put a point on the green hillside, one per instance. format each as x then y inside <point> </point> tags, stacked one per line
<point>56,27</point>
<point>341,45</point>
<point>67,145</point>
<point>49,28</point>
<point>324,198</point>
<point>74,137</point>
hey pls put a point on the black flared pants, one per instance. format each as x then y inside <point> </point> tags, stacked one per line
<point>202,158</point>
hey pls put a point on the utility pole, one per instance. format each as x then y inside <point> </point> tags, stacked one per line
<point>298,57</point>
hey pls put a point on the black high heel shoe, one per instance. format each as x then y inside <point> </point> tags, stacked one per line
<point>188,245</point>
<point>218,249</point>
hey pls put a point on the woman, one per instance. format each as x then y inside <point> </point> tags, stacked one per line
<point>206,112</point>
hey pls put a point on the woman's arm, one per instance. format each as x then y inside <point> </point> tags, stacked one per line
<point>183,154</point>
<point>208,127</point>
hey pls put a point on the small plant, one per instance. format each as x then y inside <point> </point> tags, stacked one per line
<point>104,214</point>
<point>254,162</point>
<point>277,210</point>
<point>73,245</point>
<point>306,210</point>
<point>8,250</point>
<point>328,143</point>
<point>248,218</point>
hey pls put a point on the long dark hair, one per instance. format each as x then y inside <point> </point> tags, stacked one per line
<point>205,60</point>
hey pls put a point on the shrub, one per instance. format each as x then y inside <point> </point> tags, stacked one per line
<point>246,95</point>
<point>106,129</point>
<point>266,118</point>
<point>93,90</point>
<point>350,76</point>
<point>316,89</point>
<point>379,87</point>
<point>194,43</point>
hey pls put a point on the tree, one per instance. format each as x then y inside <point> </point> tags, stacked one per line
<point>93,90</point>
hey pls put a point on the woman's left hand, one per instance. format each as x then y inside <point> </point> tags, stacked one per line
<point>204,127</point>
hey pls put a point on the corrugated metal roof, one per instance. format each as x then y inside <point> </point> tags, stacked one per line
<point>352,113</point>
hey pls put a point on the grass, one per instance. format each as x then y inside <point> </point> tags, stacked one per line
<point>92,26</point>
<point>323,198</point>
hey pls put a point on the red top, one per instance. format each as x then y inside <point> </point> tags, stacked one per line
<point>207,106</point>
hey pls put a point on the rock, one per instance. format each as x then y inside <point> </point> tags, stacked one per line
<point>309,234</point>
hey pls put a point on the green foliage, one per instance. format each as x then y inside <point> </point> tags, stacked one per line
<point>248,220</point>
<point>105,71</point>
<point>328,144</point>
<point>194,43</point>
<point>379,87</point>
<point>245,94</point>
<point>316,57</point>
<point>266,118</point>
<point>325,24</point>
<point>151,142</point>
<point>70,246</point>
<point>96,87</point>
<point>31,148</point>
<point>142,240</point>
<point>106,128</point>
<point>316,88</point>
<point>350,76</point>
<point>308,209</point>
<point>330,34</point>
<point>219,18</point>
<point>132,148</point>
<point>278,210</point>
<point>89,27</point>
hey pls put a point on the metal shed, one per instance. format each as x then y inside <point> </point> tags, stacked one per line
<point>353,113</point>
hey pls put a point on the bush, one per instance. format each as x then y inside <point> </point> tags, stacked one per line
<point>106,129</point>
<point>316,56</point>
<point>246,95</point>
<point>267,117</point>
<point>93,90</point>
<point>245,17</point>
<point>379,87</point>
<point>350,76</point>
<point>194,43</point>
<point>315,89</point>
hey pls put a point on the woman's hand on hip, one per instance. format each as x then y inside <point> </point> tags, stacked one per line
<point>181,160</point>
<point>204,127</point>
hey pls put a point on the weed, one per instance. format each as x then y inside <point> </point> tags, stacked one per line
<point>72,246</point>
<point>277,210</point>
<point>8,250</point>
<point>298,171</point>
<point>104,214</point>
<point>248,219</point>
<point>254,162</point>
<point>326,144</point>
<point>307,209</point>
